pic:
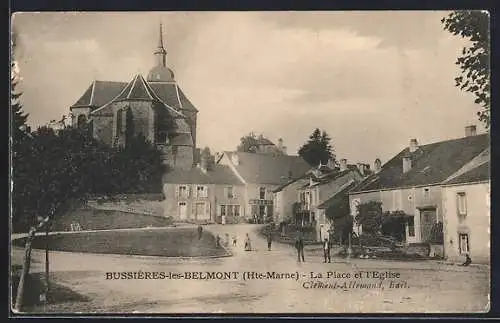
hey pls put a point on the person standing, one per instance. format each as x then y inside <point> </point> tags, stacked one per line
<point>200,231</point>
<point>248,243</point>
<point>299,245</point>
<point>217,241</point>
<point>269,240</point>
<point>234,240</point>
<point>326,250</point>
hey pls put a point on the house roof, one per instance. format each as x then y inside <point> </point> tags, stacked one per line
<point>219,174</point>
<point>477,174</point>
<point>269,169</point>
<point>290,181</point>
<point>264,141</point>
<point>337,198</point>
<point>101,92</point>
<point>431,164</point>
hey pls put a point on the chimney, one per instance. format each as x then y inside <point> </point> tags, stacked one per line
<point>235,159</point>
<point>470,131</point>
<point>205,162</point>
<point>413,145</point>
<point>343,164</point>
<point>406,163</point>
<point>377,165</point>
<point>280,143</point>
<point>361,168</point>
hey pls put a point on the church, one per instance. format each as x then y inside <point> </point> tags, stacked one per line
<point>155,107</point>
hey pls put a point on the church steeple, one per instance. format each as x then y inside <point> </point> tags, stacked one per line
<point>160,53</point>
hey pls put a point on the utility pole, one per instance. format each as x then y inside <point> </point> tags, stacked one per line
<point>47,271</point>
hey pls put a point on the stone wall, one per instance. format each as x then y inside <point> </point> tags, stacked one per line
<point>103,128</point>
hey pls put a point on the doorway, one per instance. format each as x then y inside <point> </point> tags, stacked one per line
<point>262,213</point>
<point>427,220</point>
<point>182,211</point>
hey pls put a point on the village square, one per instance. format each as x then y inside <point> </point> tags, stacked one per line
<point>127,203</point>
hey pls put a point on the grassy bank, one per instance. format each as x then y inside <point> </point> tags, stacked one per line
<point>172,242</point>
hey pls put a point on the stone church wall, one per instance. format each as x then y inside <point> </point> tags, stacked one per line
<point>103,129</point>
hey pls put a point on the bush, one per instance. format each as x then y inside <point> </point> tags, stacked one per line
<point>371,240</point>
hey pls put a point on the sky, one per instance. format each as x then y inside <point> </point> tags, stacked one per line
<point>371,80</point>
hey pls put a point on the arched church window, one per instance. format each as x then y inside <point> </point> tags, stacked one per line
<point>81,120</point>
<point>119,120</point>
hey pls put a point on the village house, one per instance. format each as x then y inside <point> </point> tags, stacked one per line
<point>307,198</point>
<point>411,184</point>
<point>261,175</point>
<point>466,211</point>
<point>207,193</point>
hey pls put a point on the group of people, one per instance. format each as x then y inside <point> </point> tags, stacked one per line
<point>234,239</point>
<point>326,246</point>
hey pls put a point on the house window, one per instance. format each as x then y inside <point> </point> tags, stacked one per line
<point>462,203</point>
<point>223,210</point>
<point>236,210</point>
<point>201,191</point>
<point>230,210</point>
<point>230,194</point>
<point>81,120</point>
<point>411,226</point>
<point>397,200</point>
<point>183,191</point>
<point>262,193</point>
<point>427,193</point>
<point>463,243</point>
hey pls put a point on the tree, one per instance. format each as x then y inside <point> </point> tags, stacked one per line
<point>475,59</point>
<point>18,117</point>
<point>340,216</point>
<point>136,168</point>
<point>317,149</point>
<point>370,217</point>
<point>248,143</point>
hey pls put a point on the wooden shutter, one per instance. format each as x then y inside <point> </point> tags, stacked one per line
<point>177,191</point>
<point>189,189</point>
<point>193,214</point>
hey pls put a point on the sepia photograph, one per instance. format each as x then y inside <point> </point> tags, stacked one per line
<point>204,162</point>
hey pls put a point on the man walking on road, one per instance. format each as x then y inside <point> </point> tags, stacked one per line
<point>326,250</point>
<point>269,240</point>
<point>299,245</point>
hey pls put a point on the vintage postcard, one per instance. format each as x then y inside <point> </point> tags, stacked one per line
<point>250,162</point>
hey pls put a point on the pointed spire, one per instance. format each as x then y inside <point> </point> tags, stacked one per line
<point>160,40</point>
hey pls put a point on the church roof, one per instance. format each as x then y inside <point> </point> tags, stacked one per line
<point>137,89</point>
<point>171,94</point>
<point>99,93</point>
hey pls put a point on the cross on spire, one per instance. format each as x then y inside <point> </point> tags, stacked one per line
<point>160,52</point>
<point>160,40</point>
